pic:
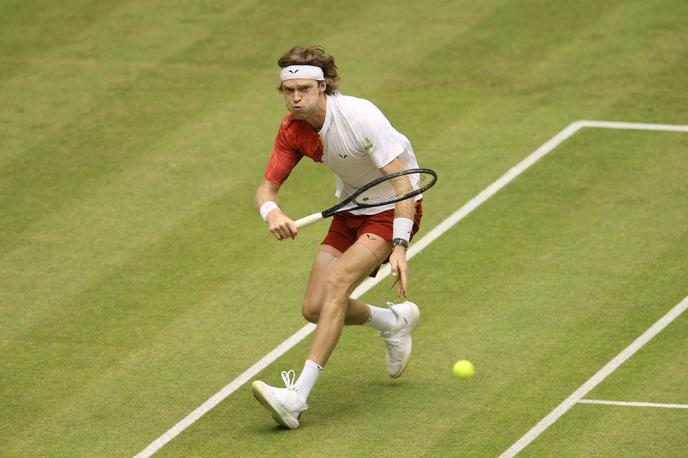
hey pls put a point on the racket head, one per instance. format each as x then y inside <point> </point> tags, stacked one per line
<point>394,187</point>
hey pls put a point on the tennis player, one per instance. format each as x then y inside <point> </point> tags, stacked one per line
<point>354,139</point>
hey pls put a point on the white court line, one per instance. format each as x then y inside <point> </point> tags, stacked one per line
<point>603,373</point>
<point>633,404</point>
<point>634,126</point>
<point>415,248</point>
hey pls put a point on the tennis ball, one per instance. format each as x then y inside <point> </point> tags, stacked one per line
<point>463,369</point>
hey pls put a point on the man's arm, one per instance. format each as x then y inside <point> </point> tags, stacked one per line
<point>404,208</point>
<point>281,226</point>
<point>404,212</point>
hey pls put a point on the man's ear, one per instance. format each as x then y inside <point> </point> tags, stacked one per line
<point>322,85</point>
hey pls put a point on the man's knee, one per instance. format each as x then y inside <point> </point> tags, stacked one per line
<point>337,283</point>
<point>310,310</point>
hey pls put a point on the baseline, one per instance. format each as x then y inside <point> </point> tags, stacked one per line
<point>633,404</point>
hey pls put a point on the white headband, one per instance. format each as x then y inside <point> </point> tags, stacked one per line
<point>307,72</point>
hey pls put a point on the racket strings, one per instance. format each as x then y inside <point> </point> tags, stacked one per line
<point>395,189</point>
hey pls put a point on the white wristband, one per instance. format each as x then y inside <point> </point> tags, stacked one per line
<point>266,208</point>
<point>402,228</point>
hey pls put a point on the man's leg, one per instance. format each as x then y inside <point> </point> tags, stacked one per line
<point>385,320</point>
<point>357,312</point>
<point>396,323</point>
<point>341,278</point>
<point>333,278</point>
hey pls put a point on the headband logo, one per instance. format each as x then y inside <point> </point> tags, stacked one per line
<point>292,72</point>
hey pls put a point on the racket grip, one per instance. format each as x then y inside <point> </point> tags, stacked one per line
<point>306,220</point>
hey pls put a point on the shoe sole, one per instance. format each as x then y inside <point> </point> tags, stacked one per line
<point>415,315</point>
<point>278,414</point>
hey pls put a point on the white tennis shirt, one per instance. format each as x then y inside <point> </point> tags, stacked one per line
<point>358,141</point>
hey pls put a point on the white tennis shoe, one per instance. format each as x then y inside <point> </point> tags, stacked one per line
<point>285,404</point>
<point>398,339</point>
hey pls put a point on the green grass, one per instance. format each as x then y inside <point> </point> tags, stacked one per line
<point>137,280</point>
<point>655,374</point>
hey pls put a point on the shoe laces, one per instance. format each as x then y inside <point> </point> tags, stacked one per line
<point>289,378</point>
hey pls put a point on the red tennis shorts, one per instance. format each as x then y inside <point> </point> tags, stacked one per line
<point>346,228</point>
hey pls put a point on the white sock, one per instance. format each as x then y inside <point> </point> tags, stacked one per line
<point>308,377</point>
<point>381,319</point>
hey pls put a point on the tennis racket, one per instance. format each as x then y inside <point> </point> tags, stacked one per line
<point>387,189</point>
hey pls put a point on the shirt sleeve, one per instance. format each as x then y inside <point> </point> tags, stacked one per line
<point>379,138</point>
<point>284,158</point>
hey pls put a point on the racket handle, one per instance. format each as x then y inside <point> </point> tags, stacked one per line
<point>306,220</point>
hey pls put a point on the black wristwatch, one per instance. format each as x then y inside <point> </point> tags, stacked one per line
<point>402,242</point>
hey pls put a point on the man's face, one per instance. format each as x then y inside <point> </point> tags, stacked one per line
<point>302,96</point>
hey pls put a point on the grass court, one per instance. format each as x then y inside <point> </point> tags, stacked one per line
<point>136,279</point>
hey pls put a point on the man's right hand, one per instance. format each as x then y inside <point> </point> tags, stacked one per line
<point>281,226</point>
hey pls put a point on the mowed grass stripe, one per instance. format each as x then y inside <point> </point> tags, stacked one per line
<point>125,112</point>
<point>530,86</point>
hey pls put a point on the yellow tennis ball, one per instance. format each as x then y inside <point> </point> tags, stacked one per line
<point>463,369</point>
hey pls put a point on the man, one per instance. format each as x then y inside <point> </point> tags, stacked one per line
<point>355,140</point>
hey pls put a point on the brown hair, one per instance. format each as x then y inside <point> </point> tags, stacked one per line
<point>313,55</point>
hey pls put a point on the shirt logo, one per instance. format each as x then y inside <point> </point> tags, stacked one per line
<point>368,145</point>
<point>343,156</point>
